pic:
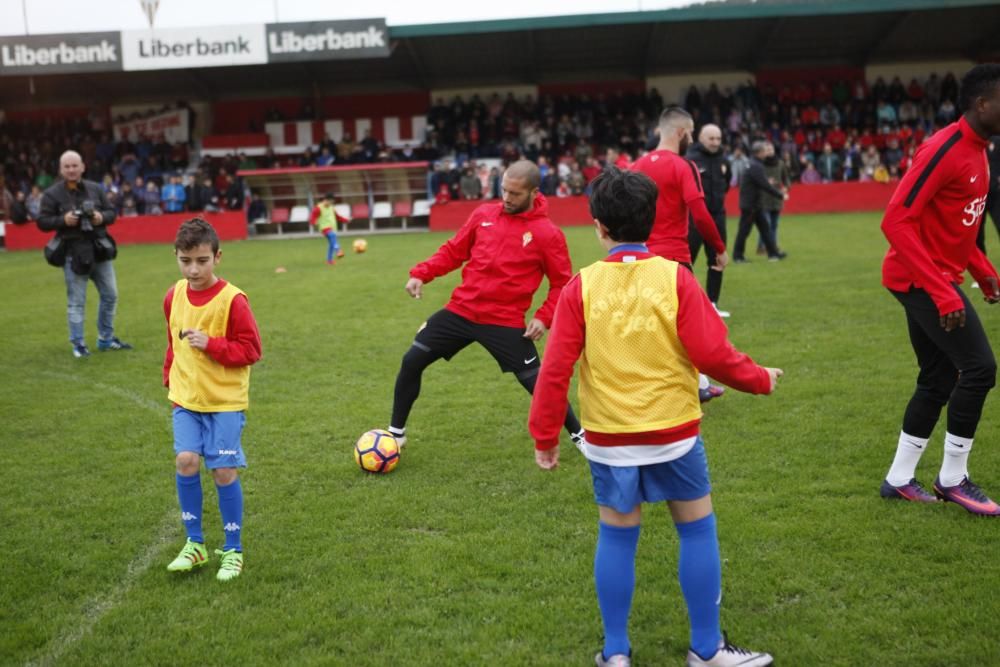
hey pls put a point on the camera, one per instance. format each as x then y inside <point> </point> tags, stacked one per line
<point>86,215</point>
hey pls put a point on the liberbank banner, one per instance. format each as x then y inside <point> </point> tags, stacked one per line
<point>183,48</point>
<point>57,54</point>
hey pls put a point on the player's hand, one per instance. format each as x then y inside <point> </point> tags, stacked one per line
<point>953,320</point>
<point>535,329</point>
<point>97,218</point>
<point>71,219</point>
<point>992,292</point>
<point>547,459</point>
<point>196,338</point>
<point>785,196</point>
<point>414,286</point>
<point>721,260</point>
<point>774,374</point>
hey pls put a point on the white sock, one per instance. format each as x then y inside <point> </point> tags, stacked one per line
<point>703,382</point>
<point>398,432</point>
<point>908,452</point>
<point>954,466</point>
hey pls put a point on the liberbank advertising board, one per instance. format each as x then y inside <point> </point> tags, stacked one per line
<point>183,48</point>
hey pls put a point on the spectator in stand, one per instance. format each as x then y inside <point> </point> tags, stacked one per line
<point>946,113</point>
<point>778,175</point>
<point>591,170</point>
<point>885,114</point>
<point>151,199</point>
<point>828,164</point>
<point>870,161</point>
<point>613,157</point>
<point>550,184</point>
<point>34,202</point>
<point>233,194</point>
<point>345,149</point>
<point>369,147</point>
<point>469,184</point>
<point>893,154</point>
<point>576,181</point>
<point>852,162</point>
<point>129,168</point>
<point>325,158</point>
<point>128,203</point>
<point>174,196</point>
<point>18,211</point>
<point>809,175</point>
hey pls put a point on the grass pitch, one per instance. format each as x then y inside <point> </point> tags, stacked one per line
<point>467,554</point>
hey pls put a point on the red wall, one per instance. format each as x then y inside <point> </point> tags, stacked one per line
<point>824,198</point>
<point>231,226</point>
<point>234,116</point>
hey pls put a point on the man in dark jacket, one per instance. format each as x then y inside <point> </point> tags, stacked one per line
<point>755,183</point>
<point>714,170</point>
<point>79,213</point>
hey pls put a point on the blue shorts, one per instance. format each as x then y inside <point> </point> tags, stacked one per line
<point>215,436</point>
<point>624,487</point>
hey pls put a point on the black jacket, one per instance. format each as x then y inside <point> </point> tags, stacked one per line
<point>715,173</point>
<point>58,200</point>
<point>754,182</point>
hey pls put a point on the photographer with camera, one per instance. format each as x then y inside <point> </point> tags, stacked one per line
<point>79,213</point>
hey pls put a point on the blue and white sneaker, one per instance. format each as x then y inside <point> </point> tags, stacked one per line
<point>112,344</point>
<point>80,350</point>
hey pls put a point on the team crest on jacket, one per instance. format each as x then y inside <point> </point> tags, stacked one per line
<point>526,239</point>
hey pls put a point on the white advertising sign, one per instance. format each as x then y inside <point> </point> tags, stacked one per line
<point>177,48</point>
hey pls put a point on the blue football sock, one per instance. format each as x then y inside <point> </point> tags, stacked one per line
<point>614,576</point>
<point>700,572</point>
<point>231,509</point>
<point>189,497</point>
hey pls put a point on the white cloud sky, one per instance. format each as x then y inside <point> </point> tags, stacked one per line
<point>18,17</point>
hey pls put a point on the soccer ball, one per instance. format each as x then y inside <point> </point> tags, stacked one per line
<point>377,451</point>
<point>360,245</point>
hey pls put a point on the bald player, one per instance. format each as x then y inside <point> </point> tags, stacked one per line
<point>79,213</point>
<point>715,173</point>
<point>504,249</point>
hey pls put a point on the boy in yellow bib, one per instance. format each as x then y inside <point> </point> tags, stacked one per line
<point>644,329</point>
<point>212,340</point>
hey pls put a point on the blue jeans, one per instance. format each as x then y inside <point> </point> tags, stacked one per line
<point>772,222</point>
<point>103,275</point>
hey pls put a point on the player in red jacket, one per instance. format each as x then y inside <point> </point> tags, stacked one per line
<point>931,224</point>
<point>506,249</point>
<point>681,199</point>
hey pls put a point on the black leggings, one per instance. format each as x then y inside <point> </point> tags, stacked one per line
<point>411,373</point>
<point>957,367</point>
<point>713,282</point>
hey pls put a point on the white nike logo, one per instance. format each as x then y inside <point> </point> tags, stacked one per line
<point>973,179</point>
<point>485,224</point>
<point>528,361</point>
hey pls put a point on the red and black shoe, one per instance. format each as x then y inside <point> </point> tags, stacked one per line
<point>912,491</point>
<point>967,494</point>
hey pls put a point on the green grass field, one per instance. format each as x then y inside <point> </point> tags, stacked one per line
<point>468,554</point>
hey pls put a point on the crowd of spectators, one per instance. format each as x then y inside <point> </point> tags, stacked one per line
<point>822,131</point>
<point>146,177</point>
